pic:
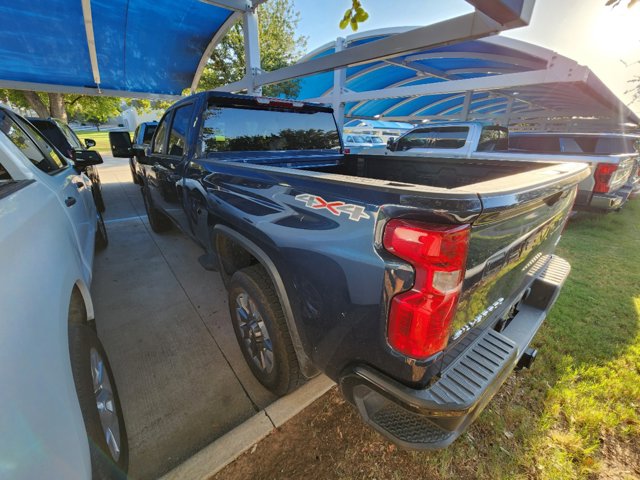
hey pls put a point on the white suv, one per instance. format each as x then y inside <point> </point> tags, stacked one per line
<point>60,416</point>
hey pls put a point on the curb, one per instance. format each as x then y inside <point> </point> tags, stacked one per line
<point>221,452</point>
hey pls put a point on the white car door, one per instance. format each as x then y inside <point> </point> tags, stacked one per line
<point>71,188</point>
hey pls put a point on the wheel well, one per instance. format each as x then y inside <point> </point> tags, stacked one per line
<point>77,307</point>
<point>233,256</point>
<point>235,252</point>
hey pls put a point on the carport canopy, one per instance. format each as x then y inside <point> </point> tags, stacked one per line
<point>140,48</point>
<point>495,78</point>
<point>157,49</point>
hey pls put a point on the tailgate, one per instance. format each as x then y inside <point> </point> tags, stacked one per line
<point>522,218</point>
<point>625,169</point>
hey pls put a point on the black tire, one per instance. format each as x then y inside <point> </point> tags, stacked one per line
<point>102,239</point>
<point>134,174</point>
<point>83,343</point>
<point>284,375</point>
<point>96,191</point>
<point>158,221</point>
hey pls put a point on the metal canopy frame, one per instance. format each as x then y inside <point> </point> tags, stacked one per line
<point>466,27</point>
<point>492,97</point>
<point>490,17</point>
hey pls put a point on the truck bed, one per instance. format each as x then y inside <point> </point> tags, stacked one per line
<point>446,173</point>
<point>516,212</point>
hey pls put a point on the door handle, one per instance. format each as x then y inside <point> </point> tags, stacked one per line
<point>70,201</point>
<point>551,200</point>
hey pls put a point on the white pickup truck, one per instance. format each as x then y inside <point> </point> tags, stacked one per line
<point>60,416</point>
<point>604,190</point>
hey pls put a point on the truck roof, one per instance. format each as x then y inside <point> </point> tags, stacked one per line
<point>262,102</point>
<point>578,134</point>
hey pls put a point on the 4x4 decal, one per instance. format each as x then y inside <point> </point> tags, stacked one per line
<point>355,212</point>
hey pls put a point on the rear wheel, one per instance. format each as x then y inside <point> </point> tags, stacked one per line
<point>261,330</point>
<point>158,221</point>
<point>99,404</point>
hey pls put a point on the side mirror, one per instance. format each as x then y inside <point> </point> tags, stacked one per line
<point>391,144</point>
<point>141,152</point>
<point>82,159</point>
<point>120,144</point>
<point>89,142</point>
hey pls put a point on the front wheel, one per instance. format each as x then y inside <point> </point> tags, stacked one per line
<point>261,330</point>
<point>158,221</point>
<point>98,198</point>
<point>99,404</point>
<point>102,239</point>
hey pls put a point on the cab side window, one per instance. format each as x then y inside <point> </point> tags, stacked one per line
<point>28,147</point>
<point>179,128</point>
<point>159,142</point>
<point>444,137</point>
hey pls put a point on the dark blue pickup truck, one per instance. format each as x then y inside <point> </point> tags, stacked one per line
<point>416,284</point>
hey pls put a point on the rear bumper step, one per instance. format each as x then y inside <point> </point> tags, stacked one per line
<point>434,417</point>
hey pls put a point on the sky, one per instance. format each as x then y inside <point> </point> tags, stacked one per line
<point>605,39</point>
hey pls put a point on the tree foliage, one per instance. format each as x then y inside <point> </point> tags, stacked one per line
<point>357,14</point>
<point>615,3</point>
<point>280,46</point>
<point>353,16</point>
<point>64,106</point>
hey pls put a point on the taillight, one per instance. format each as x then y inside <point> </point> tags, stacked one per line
<point>420,319</point>
<point>347,151</point>
<point>603,174</point>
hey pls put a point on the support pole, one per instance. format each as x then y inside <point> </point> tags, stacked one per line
<point>509,110</point>
<point>339,81</point>
<point>252,50</point>
<point>91,41</point>
<point>464,115</point>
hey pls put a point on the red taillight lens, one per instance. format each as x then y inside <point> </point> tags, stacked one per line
<point>420,319</point>
<point>603,174</point>
<point>347,151</point>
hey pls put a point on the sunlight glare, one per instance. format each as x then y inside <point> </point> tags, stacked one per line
<point>615,32</point>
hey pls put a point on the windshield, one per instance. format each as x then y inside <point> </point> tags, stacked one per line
<point>71,136</point>
<point>49,129</point>
<point>232,129</point>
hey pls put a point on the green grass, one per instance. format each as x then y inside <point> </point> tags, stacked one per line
<point>581,400</point>
<point>590,348</point>
<point>101,138</point>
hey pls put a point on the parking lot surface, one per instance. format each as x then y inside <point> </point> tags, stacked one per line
<point>165,325</point>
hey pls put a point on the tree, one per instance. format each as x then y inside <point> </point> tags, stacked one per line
<point>615,3</point>
<point>357,14</point>
<point>354,15</point>
<point>64,106</point>
<point>279,47</point>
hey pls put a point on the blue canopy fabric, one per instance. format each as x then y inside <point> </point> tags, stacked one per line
<point>141,46</point>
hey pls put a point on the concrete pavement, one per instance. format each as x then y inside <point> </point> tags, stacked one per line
<point>165,325</point>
